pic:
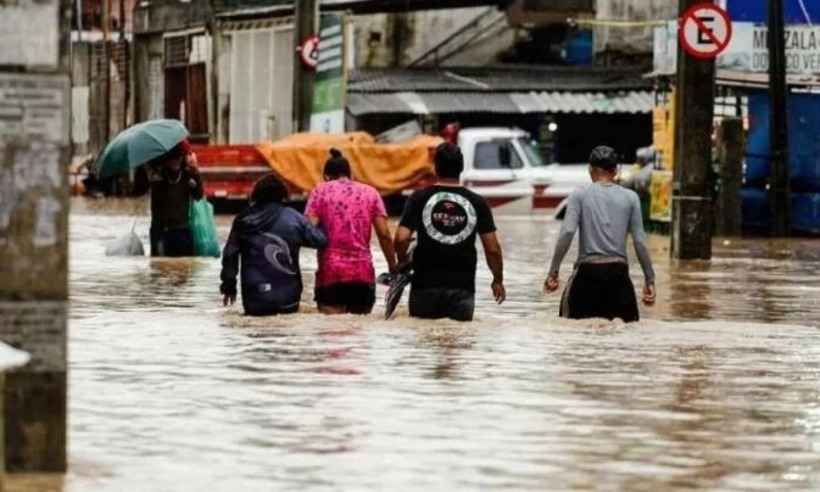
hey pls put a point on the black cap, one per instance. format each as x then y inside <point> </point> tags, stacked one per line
<point>604,157</point>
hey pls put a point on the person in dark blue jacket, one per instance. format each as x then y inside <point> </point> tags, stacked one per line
<point>267,237</point>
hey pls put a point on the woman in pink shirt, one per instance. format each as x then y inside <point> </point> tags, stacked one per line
<point>348,211</point>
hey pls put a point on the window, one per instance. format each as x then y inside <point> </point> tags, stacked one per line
<point>488,155</point>
<point>530,148</point>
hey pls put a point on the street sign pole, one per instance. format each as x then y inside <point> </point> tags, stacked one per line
<point>779,192</point>
<point>704,32</point>
<point>306,13</point>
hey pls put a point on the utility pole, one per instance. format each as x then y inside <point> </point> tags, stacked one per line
<point>305,26</point>
<point>35,147</point>
<point>691,197</point>
<point>779,192</point>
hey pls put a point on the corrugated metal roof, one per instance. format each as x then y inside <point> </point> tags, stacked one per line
<point>497,79</point>
<point>597,102</point>
<point>631,102</point>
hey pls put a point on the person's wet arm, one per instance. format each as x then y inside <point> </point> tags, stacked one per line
<point>401,243</point>
<point>313,236</point>
<point>385,241</point>
<point>230,266</point>
<point>195,182</point>
<point>641,249</point>
<point>141,182</point>
<point>404,233</point>
<point>569,227</point>
<point>495,262</point>
<point>313,208</point>
<point>485,226</point>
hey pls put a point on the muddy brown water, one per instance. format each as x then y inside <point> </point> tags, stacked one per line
<point>717,388</point>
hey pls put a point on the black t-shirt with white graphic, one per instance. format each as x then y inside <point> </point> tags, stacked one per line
<point>446,220</point>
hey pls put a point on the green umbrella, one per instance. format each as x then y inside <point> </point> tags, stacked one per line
<point>139,144</point>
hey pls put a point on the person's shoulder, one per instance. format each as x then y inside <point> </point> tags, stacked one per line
<point>291,213</point>
<point>319,189</point>
<point>370,190</point>
<point>474,197</point>
<point>467,192</point>
<point>421,193</point>
<point>631,194</point>
<point>580,192</point>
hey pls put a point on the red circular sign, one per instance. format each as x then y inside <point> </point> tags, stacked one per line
<point>309,52</point>
<point>705,31</point>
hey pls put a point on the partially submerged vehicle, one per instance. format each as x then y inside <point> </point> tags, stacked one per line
<point>503,165</point>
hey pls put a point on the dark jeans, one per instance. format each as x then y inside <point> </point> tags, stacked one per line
<point>258,309</point>
<point>438,303</point>
<point>600,291</point>
<point>172,242</point>
<point>264,300</point>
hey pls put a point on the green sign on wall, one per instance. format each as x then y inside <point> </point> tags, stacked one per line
<point>330,85</point>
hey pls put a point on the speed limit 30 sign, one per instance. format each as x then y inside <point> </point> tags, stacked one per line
<point>705,30</point>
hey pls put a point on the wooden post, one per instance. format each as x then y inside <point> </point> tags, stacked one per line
<point>35,149</point>
<point>106,27</point>
<point>305,26</point>
<point>126,65</point>
<point>730,156</point>
<point>691,198</point>
<point>779,189</point>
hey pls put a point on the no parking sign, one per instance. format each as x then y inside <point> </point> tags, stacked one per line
<point>705,31</point>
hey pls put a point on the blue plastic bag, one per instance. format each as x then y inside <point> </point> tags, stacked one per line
<point>203,228</point>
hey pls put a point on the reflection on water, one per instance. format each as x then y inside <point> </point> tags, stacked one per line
<point>170,392</point>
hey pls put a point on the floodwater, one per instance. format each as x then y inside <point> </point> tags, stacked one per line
<point>717,388</point>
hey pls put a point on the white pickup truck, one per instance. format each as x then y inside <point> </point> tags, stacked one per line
<point>504,166</point>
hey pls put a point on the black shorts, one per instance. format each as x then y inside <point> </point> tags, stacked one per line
<point>600,290</point>
<point>438,303</point>
<point>356,298</point>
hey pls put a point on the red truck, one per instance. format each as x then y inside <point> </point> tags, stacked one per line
<point>229,171</point>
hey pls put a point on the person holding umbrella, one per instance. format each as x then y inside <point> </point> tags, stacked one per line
<point>173,181</point>
<point>164,164</point>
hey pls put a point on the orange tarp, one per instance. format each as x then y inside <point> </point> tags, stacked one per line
<point>390,168</point>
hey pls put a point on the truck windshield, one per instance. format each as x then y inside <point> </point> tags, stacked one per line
<point>530,148</point>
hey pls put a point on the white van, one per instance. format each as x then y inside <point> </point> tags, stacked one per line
<point>504,166</point>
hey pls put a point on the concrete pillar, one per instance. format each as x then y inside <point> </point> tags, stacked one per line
<point>34,154</point>
<point>692,208</point>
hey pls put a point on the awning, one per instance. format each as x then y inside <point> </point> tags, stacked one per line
<point>628,102</point>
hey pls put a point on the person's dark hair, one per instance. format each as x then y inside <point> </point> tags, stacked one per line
<point>268,189</point>
<point>337,166</point>
<point>175,153</point>
<point>604,157</point>
<point>449,161</point>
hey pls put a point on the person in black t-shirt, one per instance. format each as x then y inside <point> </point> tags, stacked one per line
<point>174,181</point>
<point>446,218</point>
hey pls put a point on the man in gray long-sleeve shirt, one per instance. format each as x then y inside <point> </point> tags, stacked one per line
<point>605,213</point>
